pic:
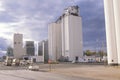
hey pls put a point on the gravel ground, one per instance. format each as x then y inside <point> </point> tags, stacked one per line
<point>62,71</point>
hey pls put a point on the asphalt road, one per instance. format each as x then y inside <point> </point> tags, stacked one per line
<point>22,72</point>
<point>34,75</point>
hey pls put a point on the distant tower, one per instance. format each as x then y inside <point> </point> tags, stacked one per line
<point>112,19</point>
<point>43,49</point>
<point>9,51</point>
<point>40,48</point>
<point>30,48</point>
<point>18,50</point>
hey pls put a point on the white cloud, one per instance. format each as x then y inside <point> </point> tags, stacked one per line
<point>32,18</point>
<point>2,53</point>
<point>1,6</point>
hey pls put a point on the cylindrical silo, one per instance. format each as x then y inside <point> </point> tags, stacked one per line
<point>116,4</point>
<point>110,32</point>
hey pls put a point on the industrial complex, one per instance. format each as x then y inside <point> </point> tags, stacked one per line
<point>65,43</point>
<point>65,39</point>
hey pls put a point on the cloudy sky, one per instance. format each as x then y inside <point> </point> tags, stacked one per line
<point>31,18</point>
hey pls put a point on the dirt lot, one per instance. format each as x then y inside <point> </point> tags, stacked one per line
<point>87,71</point>
<point>97,72</point>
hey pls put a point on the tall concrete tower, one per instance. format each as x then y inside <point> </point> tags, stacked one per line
<point>18,50</point>
<point>116,4</point>
<point>65,35</point>
<point>112,18</point>
<point>54,41</point>
<point>71,24</point>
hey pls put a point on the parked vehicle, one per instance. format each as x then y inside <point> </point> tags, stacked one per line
<point>8,61</point>
<point>16,62</point>
<point>33,67</point>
